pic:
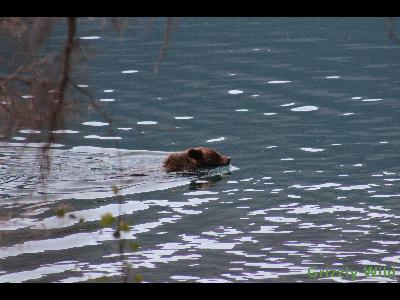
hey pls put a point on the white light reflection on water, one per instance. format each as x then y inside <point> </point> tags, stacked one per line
<point>317,184</point>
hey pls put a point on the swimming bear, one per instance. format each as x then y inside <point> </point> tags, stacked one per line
<point>195,158</point>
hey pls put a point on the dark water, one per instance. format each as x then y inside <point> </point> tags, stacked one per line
<point>308,109</point>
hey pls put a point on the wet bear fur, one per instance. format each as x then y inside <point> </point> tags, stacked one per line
<point>194,158</point>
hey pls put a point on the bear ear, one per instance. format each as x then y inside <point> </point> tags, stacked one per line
<point>195,154</point>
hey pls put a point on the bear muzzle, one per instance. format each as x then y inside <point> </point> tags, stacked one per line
<point>226,160</point>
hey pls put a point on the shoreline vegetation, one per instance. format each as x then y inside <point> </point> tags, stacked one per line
<point>39,91</point>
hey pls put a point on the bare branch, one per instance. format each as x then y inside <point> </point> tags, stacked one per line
<point>163,50</point>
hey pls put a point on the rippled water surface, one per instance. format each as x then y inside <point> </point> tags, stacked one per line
<point>307,108</point>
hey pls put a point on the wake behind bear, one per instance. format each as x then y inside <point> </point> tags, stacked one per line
<point>195,158</point>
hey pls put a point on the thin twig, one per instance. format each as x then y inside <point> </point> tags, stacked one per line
<point>163,50</point>
<point>63,83</point>
<point>391,30</point>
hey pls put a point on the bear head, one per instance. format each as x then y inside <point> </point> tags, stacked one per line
<point>195,158</point>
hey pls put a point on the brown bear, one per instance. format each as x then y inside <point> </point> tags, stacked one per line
<point>195,158</point>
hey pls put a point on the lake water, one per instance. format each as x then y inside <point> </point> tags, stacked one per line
<point>308,109</point>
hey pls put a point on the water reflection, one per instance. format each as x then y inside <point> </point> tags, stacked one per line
<point>314,138</point>
<point>207,182</point>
